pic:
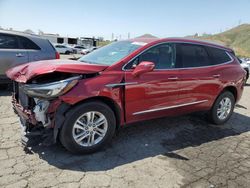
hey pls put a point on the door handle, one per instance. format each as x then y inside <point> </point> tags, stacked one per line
<point>216,75</point>
<point>19,55</point>
<point>173,78</point>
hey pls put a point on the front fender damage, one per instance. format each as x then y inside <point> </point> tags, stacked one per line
<point>46,112</point>
<point>59,119</point>
<point>44,123</point>
<point>40,110</point>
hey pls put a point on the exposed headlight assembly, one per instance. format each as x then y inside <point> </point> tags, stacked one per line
<point>50,90</point>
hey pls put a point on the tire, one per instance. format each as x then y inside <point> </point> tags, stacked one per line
<point>67,52</point>
<point>69,133</point>
<point>216,113</point>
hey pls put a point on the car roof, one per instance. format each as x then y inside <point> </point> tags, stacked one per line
<point>19,33</point>
<point>181,40</point>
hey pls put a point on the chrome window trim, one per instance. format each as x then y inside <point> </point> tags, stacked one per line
<point>169,107</point>
<point>178,42</point>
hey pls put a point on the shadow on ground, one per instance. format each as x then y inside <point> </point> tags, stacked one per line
<point>147,139</point>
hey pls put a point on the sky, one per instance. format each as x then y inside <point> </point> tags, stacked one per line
<point>162,18</point>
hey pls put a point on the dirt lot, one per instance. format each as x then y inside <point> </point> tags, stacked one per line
<point>170,152</point>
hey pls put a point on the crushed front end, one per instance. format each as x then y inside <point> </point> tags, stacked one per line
<point>36,105</point>
<point>38,87</point>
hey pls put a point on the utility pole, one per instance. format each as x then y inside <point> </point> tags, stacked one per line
<point>112,37</point>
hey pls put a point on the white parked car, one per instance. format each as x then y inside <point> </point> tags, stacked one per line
<point>86,51</point>
<point>245,66</point>
<point>78,48</point>
<point>63,49</point>
<point>248,62</point>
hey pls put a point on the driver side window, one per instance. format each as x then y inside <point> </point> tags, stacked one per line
<point>163,56</point>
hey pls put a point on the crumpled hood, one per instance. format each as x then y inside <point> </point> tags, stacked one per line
<point>25,72</point>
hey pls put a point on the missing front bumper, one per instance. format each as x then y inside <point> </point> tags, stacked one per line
<point>26,115</point>
<point>34,131</point>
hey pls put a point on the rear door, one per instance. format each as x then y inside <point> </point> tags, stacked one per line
<point>10,53</point>
<point>33,50</point>
<point>199,80</point>
<point>37,48</point>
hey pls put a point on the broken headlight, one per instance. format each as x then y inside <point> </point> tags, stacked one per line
<point>50,90</point>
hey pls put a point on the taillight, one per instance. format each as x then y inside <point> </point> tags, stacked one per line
<point>57,55</point>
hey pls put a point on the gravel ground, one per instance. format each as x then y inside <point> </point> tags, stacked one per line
<point>170,152</point>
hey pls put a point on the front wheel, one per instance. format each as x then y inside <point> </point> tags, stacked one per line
<point>88,128</point>
<point>222,109</point>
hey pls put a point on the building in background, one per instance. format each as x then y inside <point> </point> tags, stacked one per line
<point>85,41</point>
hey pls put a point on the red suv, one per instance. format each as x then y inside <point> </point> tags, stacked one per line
<point>82,103</point>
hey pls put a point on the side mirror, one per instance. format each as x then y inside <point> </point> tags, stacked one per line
<point>143,67</point>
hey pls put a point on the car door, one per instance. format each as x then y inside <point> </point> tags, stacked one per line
<point>151,94</point>
<point>198,79</point>
<point>10,53</point>
<point>34,51</point>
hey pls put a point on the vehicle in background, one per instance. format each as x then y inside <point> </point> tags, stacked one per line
<point>85,51</point>
<point>63,49</point>
<point>248,62</point>
<point>94,48</point>
<point>17,48</point>
<point>88,50</point>
<point>82,103</point>
<point>245,66</point>
<point>78,49</point>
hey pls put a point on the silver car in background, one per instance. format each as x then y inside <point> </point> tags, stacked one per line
<point>17,48</point>
<point>245,66</point>
<point>63,48</point>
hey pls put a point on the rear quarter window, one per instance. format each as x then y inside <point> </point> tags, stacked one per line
<point>218,56</point>
<point>26,43</point>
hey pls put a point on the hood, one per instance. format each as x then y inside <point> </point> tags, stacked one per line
<point>25,72</point>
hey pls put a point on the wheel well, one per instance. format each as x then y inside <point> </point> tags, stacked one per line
<point>112,104</point>
<point>233,90</point>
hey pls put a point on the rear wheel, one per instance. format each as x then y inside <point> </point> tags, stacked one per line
<point>88,128</point>
<point>67,52</point>
<point>222,109</point>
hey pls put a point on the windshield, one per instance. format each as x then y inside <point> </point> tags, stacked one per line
<point>111,53</point>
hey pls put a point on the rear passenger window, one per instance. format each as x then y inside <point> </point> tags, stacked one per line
<point>8,42</point>
<point>28,44</point>
<point>218,56</point>
<point>190,55</point>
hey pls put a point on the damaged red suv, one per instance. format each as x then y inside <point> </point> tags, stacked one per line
<point>82,103</point>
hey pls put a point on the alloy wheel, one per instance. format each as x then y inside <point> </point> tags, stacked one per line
<point>90,128</point>
<point>224,108</point>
